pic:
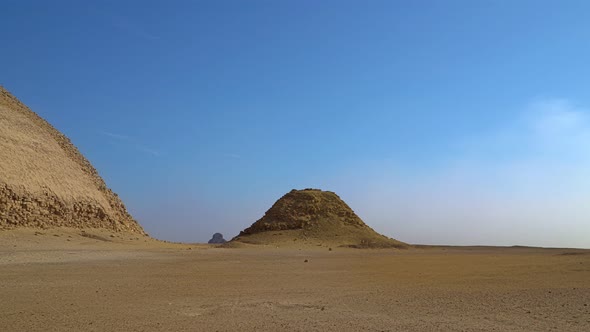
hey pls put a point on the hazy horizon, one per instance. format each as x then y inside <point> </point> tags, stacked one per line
<point>456,122</point>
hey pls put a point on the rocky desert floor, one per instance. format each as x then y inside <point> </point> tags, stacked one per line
<point>63,281</point>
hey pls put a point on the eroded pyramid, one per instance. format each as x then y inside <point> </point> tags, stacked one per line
<point>46,182</point>
<point>316,217</point>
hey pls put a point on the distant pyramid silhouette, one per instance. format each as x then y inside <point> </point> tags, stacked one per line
<point>217,239</point>
<point>46,182</point>
<point>316,216</point>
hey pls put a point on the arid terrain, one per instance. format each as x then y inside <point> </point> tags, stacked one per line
<point>59,280</point>
<point>73,259</point>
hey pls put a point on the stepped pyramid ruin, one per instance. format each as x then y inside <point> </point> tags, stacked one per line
<point>316,217</point>
<point>46,182</point>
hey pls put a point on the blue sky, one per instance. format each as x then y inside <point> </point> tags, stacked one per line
<point>456,122</point>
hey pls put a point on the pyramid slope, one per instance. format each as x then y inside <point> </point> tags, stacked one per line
<point>45,181</point>
<point>314,216</point>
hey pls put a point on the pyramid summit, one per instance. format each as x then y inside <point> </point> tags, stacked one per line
<point>46,182</point>
<point>314,216</point>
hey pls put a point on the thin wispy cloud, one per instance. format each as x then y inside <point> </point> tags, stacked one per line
<point>557,116</point>
<point>113,135</point>
<point>130,142</point>
<point>153,152</point>
<point>562,125</point>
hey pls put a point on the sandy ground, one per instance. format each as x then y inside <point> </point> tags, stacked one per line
<point>68,282</point>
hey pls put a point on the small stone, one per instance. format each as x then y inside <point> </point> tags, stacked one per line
<point>305,261</point>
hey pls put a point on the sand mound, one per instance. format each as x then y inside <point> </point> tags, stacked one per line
<point>46,182</point>
<point>317,217</point>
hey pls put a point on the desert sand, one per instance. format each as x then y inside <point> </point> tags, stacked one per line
<point>59,280</point>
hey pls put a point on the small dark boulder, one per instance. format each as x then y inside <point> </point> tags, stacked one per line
<point>217,238</point>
